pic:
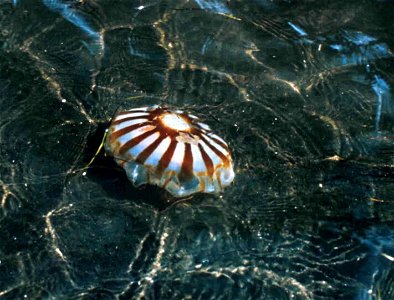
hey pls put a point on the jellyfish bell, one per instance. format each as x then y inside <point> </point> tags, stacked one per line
<point>170,149</point>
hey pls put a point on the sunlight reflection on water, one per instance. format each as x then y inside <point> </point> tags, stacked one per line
<point>303,96</point>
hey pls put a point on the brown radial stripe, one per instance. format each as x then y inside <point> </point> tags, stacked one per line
<point>116,122</point>
<point>217,152</point>
<point>130,144</point>
<point>149,150</point>
<point>207,160</point>
<point>187,164</point>
<point>219,181</point>
<point>167,156</point>
<point>219,142</point>
<point>123,131</point>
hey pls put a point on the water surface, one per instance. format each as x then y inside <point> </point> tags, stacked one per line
<point>301,90</point>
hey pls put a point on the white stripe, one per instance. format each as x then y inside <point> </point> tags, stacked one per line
<point>128,123</point>
<point>204,126</point>
<point>215,159</point>
<point>177,158</point>
<point>132,134</point>
<point>198,161</point>
<point>139,108</point>
<point>157,154</point>
<point>131,115</point>
<point>217,137</point>
<point>216,145</point>
<point>137,149</point>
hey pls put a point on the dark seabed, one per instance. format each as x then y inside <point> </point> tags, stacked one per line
<point>302,91</point>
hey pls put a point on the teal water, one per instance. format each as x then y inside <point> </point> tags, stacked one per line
<point>301,91</point>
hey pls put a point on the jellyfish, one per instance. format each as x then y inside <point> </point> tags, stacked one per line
<point>171,149</point>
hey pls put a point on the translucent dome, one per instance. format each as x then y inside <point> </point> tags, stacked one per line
<point>171,149</point>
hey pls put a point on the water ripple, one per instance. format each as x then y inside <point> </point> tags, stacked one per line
<point>303,96</point>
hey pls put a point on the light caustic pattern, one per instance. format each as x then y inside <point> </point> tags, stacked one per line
<point>299,94</point>
<point>170,149</point>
